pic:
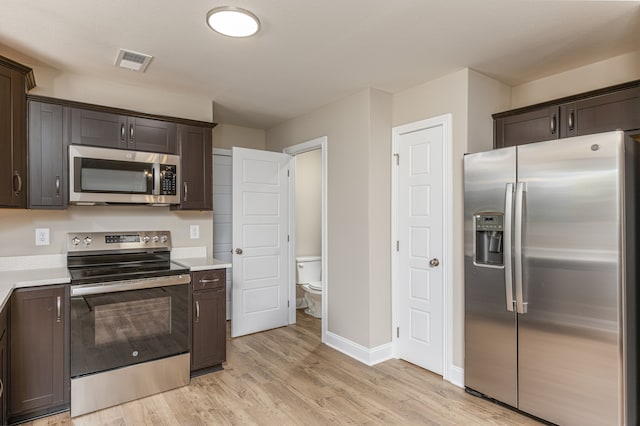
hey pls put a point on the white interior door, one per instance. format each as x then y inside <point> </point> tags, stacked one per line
<point>260,246</point>
<point>222,217</point>
<point>420,205</point>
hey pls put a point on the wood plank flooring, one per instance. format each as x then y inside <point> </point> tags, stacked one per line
<point>287,377</point>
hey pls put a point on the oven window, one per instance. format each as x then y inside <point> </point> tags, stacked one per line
<point>114,330</point>
<point>120,177</point>
<point>127,321</point>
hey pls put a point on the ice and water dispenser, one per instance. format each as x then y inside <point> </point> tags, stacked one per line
<point>488,250</point>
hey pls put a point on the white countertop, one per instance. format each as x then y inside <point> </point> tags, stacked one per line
<point>202,263</point>
<point>30,271</point>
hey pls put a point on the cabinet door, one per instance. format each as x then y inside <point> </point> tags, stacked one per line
<point>613,111</point>
<point>48,186</point>
<point>39,367</point>
<point>194,147</point>
<point>13,142</point>
<point>208,346</point>
<point>3,366</point>
<point>98,128</point>
<point>528,127</point>
<point>146,134</point>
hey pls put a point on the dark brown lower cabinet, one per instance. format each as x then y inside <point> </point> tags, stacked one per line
<point>3,366</point>
<point>209,317</point>
<point>39,380</point>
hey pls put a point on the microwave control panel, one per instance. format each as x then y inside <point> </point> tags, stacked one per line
<point>168,179</point>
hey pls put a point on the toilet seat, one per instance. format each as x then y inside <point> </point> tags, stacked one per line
<point>313,287</point>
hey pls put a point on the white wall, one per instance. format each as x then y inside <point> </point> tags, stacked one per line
<point>609,72</point>
<point>308,193</point>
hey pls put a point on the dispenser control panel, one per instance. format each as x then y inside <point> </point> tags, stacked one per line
<point>489,222</point>
<point>488,245</point>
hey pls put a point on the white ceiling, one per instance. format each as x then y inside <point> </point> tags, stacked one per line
<point>312,52</point>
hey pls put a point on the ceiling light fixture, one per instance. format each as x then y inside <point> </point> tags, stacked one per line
<point>233,21</point>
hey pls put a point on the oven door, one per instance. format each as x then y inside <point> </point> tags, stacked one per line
<point>116,329</point>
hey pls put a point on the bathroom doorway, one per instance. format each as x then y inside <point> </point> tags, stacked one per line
<point>308,227</point>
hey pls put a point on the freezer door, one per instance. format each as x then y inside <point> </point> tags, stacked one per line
<point>490,328</point>
<point>569,342</point>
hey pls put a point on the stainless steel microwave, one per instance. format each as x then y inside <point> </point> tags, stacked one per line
<point>116,176</point>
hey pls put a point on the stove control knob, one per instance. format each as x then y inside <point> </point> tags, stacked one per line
<point>154,239</point>
<point>75,241</point>
<point>163,238</point>
<point>87,241</point>
<point>145,239</point>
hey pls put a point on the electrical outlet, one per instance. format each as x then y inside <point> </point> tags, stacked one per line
<point>194,232</point>
<point>42,236</point>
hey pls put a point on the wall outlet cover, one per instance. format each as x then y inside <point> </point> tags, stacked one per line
<point>194,232</point>
<point>42,236</point>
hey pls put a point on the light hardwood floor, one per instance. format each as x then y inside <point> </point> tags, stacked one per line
<point>287,377</point>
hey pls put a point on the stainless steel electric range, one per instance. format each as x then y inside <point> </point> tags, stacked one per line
<point>129,318</point>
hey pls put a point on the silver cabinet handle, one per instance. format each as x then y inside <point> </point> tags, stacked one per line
<point>122,131</point>
<point>571,120</point>
<point>238,251</point>
<point>131,133</point>
<point>57,186</point>
<point>508,271</point>
<point>521,305</point>
<point>215,280</point>
<point>185,186</point>
<point>552,124</point>
<point>197,310</point>
<point>1,388</point>
<point>59,308</point>
<point>17,182</point>
<point>434,262</point>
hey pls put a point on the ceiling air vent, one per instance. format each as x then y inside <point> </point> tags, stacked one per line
<point>134,61</point>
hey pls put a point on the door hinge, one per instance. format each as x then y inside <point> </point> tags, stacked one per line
<point>397,245</point>
<point>397,159</point>
<point>288,238</point>
<point>398,332</point>
<point>287,303</point>
<point>288,173</point>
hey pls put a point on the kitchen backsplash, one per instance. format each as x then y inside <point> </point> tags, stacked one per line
<point>18,227</point>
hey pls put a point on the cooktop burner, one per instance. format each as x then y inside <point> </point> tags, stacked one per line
<point>117,256</point>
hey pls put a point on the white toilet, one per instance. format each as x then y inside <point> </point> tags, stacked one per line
<point>309,279</point>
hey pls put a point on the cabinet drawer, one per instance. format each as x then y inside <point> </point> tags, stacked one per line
<point>209,280</point>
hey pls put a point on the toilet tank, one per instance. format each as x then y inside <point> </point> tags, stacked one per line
<point>308,269</point>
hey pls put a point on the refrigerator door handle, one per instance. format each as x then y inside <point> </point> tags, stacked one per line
<point>508,259</point>
<point>521,305</point>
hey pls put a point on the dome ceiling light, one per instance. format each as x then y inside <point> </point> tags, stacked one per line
<point>233,21</point>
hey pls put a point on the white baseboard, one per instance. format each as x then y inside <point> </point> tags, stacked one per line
<point>368,356</point>
<point>456,376</point>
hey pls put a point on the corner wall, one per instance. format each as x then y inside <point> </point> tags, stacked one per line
<point>228,136</point>
<point>347,125</point>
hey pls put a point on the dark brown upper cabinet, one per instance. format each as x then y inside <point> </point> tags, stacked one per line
<point>612,108</point>
<point>15,80</point>
<point>111,130</point>
<point>195,149</point>
<point>48,180</point>
<point>527,127</point>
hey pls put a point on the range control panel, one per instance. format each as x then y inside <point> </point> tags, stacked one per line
<point>100,241</point>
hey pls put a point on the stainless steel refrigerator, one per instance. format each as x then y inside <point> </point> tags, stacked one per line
<point>550,278</point>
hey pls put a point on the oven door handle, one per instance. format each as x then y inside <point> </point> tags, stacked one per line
<point>115,286</point>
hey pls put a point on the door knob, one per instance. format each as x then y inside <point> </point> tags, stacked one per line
<point>434,262</point>
<point>238,251</point>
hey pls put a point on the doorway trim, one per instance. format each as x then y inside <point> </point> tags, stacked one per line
<point>318,143</point>
<point>450,372</point>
